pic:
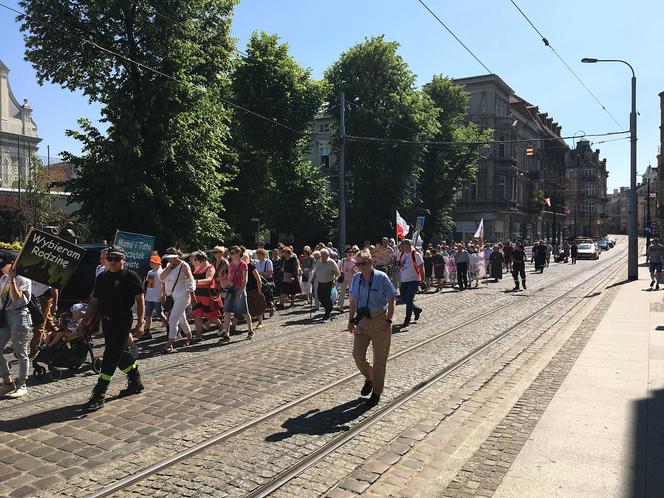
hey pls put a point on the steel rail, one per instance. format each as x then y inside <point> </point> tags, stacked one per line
<point>238,429</point>
<point>325,450</point>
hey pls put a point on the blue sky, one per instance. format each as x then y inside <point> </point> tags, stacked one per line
<point>317,32</point>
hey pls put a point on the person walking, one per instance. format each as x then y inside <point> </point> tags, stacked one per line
<point>307,266</point>
<point>347,267</point>
<point>48,302</point>
<point>178,286</point>
<point>549,252</point>
<point>508,249</point>
<point>654,256</point>
<point>238,275</point>
<point>290,271</point>
<point>462,258</point>
<point>15,324</point>
<point>207,301</point>
<point>327,273</point>
<point>497,261</point>
<point>256,303</point>
<point>519,266</point>
<point>566,251</point>
<point>539,255</point>
<point>574,252</point>
<point>372,298</point>
<point>152,287</point>
<point>115,292</point>
<point>410,267</point>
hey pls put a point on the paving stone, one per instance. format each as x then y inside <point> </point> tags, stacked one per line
<point>389,458</point>
<point>354,485</point>
<point>340,493</point>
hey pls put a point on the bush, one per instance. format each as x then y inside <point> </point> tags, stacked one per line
<point>13,246</point>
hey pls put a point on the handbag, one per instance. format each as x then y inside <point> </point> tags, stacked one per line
<point>215,300</point>
<point>340,279</point>
<point>35,310</point>
<point>169,301</point>
<point>288,278</point>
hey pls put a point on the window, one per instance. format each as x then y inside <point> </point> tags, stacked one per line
<point>590,189</point>
<point>324,156</point>
<point>501,147</point>
<point>588,173</point>
<point>501,190</point>
<point>590,208</point>
<point>473,189</point>
<point>323,127</point>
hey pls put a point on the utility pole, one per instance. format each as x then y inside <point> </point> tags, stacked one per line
<point>342,173</point>
<point>18,163</point>
<point>648,216</point>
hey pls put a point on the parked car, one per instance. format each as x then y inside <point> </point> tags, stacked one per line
<point>603,244</point>
<point>588,250</point>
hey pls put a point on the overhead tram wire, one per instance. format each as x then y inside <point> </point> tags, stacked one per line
<point>399,141</point>
<point>153,70</point>
<point>455,36</point>
<point>548,44</point>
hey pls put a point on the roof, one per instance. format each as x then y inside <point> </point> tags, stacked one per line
<point>484,78</point>
<point>59,172</point>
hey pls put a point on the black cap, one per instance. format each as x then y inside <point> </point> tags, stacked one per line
<point>7,258</point>
<point>115,251</point>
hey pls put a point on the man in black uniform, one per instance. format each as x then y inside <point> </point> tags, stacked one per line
<point>114,294</point>
<point>519,266</point>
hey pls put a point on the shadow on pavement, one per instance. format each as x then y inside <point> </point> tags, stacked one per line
<point>317,423</point>
<point>616,284</point>
<point>647,452</point>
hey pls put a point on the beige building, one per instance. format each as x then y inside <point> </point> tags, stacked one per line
<point>617,211</point>
<point>515,177</point>
<point>586,197</point>
<point>18,137</point>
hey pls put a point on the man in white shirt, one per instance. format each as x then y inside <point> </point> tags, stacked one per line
<point>410,269</point>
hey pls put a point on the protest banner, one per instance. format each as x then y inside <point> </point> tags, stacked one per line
<point>137,248</point>
<point>48,259</point>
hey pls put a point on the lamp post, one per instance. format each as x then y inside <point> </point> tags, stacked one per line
<point>632,257</point>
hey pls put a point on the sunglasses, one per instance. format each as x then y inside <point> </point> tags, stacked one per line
<point>114,258</point>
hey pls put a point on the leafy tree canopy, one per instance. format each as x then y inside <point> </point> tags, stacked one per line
<point>163,163</point>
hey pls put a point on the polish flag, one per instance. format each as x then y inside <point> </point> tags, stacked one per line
<point>547,201</point>
<point>402,227</point>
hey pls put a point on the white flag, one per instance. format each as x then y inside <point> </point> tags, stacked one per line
<point>479,233</point>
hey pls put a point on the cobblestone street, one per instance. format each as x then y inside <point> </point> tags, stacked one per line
<point>49,448</point>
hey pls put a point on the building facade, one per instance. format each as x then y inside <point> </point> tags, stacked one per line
<point>520,183</point>
<point>617,211</point>
<point>18,137</point>
<point>659,202</point>
<point>587,201</point>
<point>646,202</point>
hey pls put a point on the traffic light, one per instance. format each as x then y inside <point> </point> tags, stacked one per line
<point>530,151</point>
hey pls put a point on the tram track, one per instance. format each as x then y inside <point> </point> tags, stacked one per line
<point>331,446</point>
<point>197,357</point>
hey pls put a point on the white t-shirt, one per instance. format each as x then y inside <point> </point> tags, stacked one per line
<point>153,286</point>
<point>408,271</point>
<point>39,289</point>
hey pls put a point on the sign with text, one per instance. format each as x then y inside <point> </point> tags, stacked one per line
<point>137,248</point>
<point>48,259</point>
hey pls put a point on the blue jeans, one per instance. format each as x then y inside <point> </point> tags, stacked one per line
<point>407,293</point>
<point>17,329</point>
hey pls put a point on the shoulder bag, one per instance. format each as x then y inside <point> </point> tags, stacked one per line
<point>170,301</point>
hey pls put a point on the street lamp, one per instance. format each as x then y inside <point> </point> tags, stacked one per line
<point>258,232</point>
<point>632,257</point>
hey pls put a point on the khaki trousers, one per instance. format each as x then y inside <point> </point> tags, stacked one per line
<point>372,330</point>
<point>38,331</point>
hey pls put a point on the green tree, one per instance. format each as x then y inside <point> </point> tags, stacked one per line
<point>382,102</point>
<point>448,169</point>
<point>288,192</point>
<point>163,163</point>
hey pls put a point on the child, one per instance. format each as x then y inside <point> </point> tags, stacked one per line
<point>152,286</point>
<point>71,331</point>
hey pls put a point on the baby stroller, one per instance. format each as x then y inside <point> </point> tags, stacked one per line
<point>69,354</point>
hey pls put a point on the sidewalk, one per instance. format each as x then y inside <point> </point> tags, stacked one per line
<point>603,433</point>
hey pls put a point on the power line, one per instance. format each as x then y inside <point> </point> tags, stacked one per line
<point>151,69</point>
<point>548,44</point>
<point>455,36</point>
<point>492,142</point>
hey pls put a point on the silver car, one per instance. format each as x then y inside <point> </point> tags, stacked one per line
<point>588,250</point>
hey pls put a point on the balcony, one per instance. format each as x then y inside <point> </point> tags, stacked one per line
<point>487,204</point>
